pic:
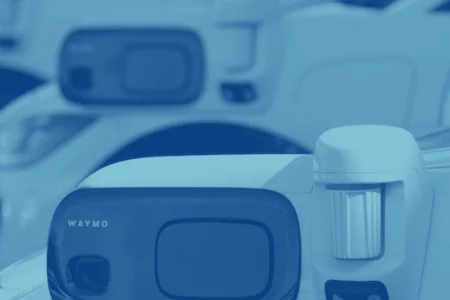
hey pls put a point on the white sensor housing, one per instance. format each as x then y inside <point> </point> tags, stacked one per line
<point>372,209</point>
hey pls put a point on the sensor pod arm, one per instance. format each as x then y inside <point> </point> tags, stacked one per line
<point>372,210</point>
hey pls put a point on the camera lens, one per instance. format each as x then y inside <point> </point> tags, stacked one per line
<point>81,78</point>
<point>89,274</point>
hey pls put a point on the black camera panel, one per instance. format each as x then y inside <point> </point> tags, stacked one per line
<point>175,243</point>
<point>132,67</point>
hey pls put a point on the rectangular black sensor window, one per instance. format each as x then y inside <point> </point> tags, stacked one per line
<point>155,68</point>
<point>238,253</point>
<point>132,67</point>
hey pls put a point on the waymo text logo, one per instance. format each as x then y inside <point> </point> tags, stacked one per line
<point>88,223</point>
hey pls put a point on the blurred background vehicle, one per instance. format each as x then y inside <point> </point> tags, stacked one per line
<point>308,66</point>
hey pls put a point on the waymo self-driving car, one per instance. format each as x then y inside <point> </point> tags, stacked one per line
<point>172,78</point>
<point>362,218</point>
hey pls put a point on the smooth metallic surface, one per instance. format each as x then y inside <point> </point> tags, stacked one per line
<point>356,218</point>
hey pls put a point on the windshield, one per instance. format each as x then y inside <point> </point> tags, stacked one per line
<point>435,140</point>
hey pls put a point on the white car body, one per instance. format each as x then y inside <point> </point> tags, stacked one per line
<point>331,66</point>
<point>290,175</point>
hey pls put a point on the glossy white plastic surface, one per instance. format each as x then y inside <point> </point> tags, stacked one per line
<point>365,149</point>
